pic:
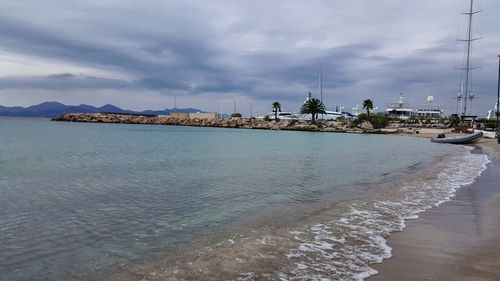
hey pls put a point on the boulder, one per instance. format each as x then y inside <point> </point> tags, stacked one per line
<point>366,125</point>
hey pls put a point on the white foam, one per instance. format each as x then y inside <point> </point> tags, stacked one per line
<point>345,248</point>
<point>246,276</point>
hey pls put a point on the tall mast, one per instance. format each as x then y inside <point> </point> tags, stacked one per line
<point>320,83</point>
<point>497,108</point>
<point>467,63</point>
<point>467,68</point>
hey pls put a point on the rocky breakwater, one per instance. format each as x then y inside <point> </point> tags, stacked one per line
<point>242,123</point>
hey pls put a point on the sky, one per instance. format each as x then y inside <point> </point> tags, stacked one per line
<point>213,55</point>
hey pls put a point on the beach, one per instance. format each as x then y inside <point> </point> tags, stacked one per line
<point>459,240</point>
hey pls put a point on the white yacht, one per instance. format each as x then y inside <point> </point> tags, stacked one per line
<point>430,109</point>
<point>283,115</point>
<point>400,109</point>
<point>331,115</point>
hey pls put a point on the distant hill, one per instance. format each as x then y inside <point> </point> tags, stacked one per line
<point>52,109</point>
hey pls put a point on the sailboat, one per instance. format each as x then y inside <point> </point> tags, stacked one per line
<point>329,115</point>
<point>466,94</point>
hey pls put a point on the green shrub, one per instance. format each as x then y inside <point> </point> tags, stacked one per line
<point>378,121</point>
<point>488,124</point>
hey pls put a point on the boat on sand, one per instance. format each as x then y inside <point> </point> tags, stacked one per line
<point>470,138</point>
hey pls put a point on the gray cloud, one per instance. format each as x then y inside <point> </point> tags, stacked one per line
<point>260,51</point>
<point>64,81</point>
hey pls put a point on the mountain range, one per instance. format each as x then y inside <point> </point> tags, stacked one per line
<point>52,109</point>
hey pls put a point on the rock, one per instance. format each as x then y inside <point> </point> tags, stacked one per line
<point>366,125</point>
<point>302,127</point>
<point>330,129</point>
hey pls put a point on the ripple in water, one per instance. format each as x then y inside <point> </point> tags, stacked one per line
<point>337,243</point>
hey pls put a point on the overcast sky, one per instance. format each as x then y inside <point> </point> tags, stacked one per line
<point>207,54</point>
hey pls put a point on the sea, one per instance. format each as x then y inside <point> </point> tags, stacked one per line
<point>82,201</point>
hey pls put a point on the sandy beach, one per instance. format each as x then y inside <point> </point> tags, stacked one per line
<point>459,240</point>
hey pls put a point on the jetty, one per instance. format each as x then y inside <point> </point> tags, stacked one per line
<point>241,123</point>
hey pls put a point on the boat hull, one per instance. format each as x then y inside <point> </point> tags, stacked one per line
<point>460,139</point>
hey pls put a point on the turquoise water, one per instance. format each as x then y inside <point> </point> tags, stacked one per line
<point>78,198</point>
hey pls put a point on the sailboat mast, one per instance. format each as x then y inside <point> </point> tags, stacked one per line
<point>498,97</point>
<point>467,63</point>
<point>321,83</point>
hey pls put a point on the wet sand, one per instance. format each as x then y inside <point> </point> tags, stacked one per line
<point>459,240</point>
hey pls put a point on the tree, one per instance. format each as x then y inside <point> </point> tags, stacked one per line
<point>314,107</point>
<point>276,109</point>
<point>236,115</point>
<point>368,105</point>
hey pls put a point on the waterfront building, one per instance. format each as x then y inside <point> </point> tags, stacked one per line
<point>179,115</point>
<point>205,115</point>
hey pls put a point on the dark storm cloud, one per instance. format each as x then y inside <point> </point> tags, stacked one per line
<point>168,63</point>
<point>64,81</point>
<point>22,38</point>
<point>18,36</point>
<point>193,62</point>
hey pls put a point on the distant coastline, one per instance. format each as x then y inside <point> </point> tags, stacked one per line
<point>53,109</point>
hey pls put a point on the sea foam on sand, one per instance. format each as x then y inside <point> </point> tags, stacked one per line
<point>344,248</point>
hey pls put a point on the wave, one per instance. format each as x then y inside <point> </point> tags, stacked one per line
<point>344,248</point>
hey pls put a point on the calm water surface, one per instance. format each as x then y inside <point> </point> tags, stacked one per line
<point>78,197</point>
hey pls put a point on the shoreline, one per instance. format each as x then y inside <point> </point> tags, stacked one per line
<point>459,240</point>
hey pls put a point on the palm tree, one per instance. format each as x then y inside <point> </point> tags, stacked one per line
<point>314,107</point>
<point>276,109</point>
<point>368,105</point>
